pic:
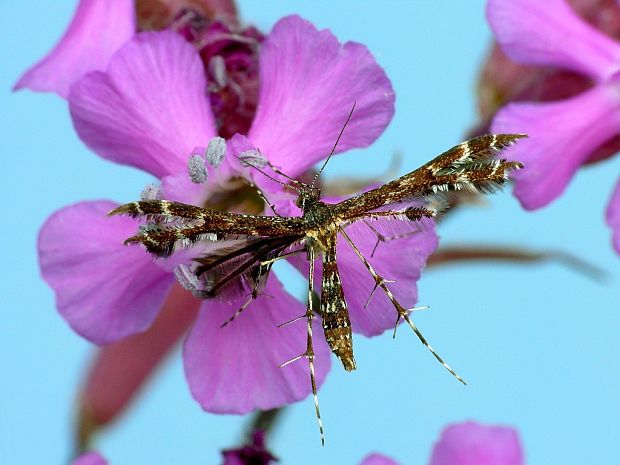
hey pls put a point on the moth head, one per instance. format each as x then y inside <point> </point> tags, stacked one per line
<point>307,196</point>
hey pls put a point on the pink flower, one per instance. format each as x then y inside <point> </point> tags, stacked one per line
<point>473,443</point>
<point>469,443</point>
<point>613,217</point>
<point>100,27</point>
<point>149,110</point>
<point>563,134</point>
<point>90,458</point>
<point>377,459</point>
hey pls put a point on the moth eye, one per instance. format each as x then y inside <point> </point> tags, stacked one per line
<point>299,201</point>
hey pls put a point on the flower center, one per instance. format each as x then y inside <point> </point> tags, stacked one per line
<point>229,52</point>
<point>236,196</point>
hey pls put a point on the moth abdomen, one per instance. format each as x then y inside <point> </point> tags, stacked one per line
<point>336,321</point>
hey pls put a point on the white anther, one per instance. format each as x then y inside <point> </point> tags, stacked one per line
<point>197,169</point>
<point>216,150</point>
<point>253,158</point>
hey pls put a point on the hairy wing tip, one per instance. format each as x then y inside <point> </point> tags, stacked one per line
<point>132,240</point>
<point>516,136</point>
<point>512,165</point>
<point>116,211</point>
<point>126,209</point>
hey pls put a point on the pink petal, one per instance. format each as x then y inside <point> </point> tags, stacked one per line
<point>377,459</point>
<point>561,137</point>
<point>309,83</point>
<point>149,110</point>
<point>235,369</point>
<point>97,30</point>
<point>613,217</point>
<point>550,33</point>
<point>475,444</point>
<point>120,370</point>
<point>90,458</point>
<point>180,188</point>
<point>105,290</point>
<point>400,260</point>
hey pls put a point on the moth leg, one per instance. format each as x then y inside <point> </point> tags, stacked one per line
<point>385,239</point>
<point>402,311</point>
<point>280,257</point>
<point>245,305</point>
<point>410,214</point>
<point>374,289</point>
<point>309,354</point>
<point>263,197</point>
<point>263,273</point>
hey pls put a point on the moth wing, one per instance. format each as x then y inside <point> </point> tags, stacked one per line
<point>471,165</point>
<point>234,264</point>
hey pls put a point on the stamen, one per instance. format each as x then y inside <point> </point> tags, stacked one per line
<point>151,192</point>
<point>217,68</point>
<point>253,158</point>
<point>216,150</point>
<point>197,169</point>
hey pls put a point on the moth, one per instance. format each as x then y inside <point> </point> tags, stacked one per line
<point>245,246</point>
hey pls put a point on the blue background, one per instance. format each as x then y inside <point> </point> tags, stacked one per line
<point>537,344</point>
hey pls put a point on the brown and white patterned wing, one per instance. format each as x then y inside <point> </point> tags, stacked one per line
<point>471,165</point>
<point>173,224</point>
<point>231,263</point>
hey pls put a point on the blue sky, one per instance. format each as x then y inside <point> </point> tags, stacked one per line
<point>537,344</point>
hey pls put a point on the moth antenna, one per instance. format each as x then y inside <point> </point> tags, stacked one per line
<point>281,173</point>
<point>267,175</point>
<point>316,176</point>
<point>402,312</point>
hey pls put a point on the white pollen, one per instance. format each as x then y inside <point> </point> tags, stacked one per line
<point>253,158</point>
<point>216,150</point>
<point>197,169</point>
<point>151,192</point>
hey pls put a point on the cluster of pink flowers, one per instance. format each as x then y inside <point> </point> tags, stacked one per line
<point>146,88</point>
<point>147,99</point>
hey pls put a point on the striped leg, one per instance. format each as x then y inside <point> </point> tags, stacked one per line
<point>385,239</point>
<point>402,311</point>
<point>309,354</point>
